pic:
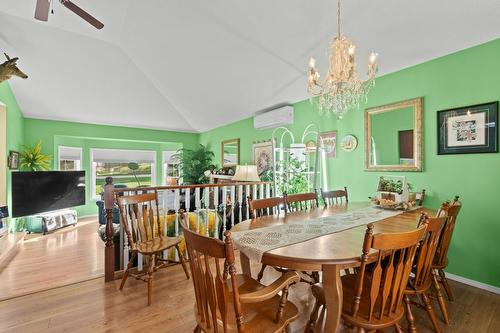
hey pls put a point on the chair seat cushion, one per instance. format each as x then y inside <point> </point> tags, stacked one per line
<point>257,317</point>
<point>361,319</point>
<point>156,244</point>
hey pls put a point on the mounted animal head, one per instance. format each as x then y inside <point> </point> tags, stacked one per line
<point>9,69</point>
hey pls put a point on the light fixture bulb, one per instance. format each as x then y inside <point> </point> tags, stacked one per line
<point>312,62</point>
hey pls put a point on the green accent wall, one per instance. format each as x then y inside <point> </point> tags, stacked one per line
<point>15,128</point>
<point>88,136</point>
<point>468,77</point>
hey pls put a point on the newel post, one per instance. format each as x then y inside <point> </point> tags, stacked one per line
<point>109,251</point>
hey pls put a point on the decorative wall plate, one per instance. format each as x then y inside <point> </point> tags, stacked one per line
<point>349,143</point>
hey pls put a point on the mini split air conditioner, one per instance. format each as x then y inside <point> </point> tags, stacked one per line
<point>276,116</point>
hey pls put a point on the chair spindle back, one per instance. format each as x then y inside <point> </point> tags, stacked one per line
<point>210,277</point>
<point>421,198</point>
<point>427,250</point>
<point>301,201</point>
<point>387,281</point>
<point>451,210</point>
<point>262,207</point>
<point>335,197</point>
<point>139,216</point>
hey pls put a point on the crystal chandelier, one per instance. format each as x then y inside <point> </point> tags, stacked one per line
<point>342,89</point>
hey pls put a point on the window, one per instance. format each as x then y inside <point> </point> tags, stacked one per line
<point>70,158</point>
<point>116,163</point>
<point>171,168</point>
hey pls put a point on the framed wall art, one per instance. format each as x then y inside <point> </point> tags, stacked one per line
<point>263,156</point>
<point>13,160</point>
<point>328,142</point>
<point>468,130</point>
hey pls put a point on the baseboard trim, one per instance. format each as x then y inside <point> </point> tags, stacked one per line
<point>473,283</point>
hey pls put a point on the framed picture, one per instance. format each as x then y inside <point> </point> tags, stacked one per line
<point>328,142</point>
<point>468,130</point>
<point>263,156</point>
<point>13,160</point>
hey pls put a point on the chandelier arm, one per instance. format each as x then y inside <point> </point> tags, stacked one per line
<point>338,18</point>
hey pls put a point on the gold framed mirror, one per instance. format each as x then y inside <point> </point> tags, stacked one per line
<point>393,136</point>
<point>230,153</point>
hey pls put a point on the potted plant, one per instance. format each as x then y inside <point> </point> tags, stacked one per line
<point>32,158</point>
<point>194,163</point>
<point>293,178</point>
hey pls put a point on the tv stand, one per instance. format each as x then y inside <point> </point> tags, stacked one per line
<point>50,221</point>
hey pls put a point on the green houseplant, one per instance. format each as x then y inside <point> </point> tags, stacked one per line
<point>32,158</point>
<point>293,178</point>
<point>194,163</point>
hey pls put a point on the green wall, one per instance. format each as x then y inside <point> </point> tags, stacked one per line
<point>15,128</point>
<point>471,76</point>
<point>87,136</point>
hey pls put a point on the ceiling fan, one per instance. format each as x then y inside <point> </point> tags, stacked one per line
<point>43,8</point>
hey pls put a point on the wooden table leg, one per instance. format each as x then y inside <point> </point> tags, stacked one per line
<point>245,265</point>
<point>332,285</point>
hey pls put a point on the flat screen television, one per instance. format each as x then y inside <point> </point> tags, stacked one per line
<point>44,191</point>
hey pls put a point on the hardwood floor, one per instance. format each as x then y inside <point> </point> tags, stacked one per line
<point>66,256</point>
<point>94,306</point>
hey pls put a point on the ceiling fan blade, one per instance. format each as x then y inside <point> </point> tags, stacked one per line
<point>83,14</point>
<point>42,10</point>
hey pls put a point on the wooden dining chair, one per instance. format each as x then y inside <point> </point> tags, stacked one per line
<point>421,198</point>
<point>422,273</point>
<point>263,207</point>
<point>335,197</point>
<point>301,201</point>
<point>451,211</point>
<point>228,302</point>
<point>373,295</point>
<point>140,219</point>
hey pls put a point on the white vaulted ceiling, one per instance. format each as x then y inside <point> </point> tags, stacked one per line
<point>193,65</point>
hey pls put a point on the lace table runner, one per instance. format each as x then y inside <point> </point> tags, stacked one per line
<point>254,243</point>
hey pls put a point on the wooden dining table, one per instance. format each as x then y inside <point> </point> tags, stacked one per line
<point>329,253</point>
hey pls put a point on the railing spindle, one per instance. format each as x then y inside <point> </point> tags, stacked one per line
<point>165,219</point>
<point>240,202</point>
<point>224,205</point>
<point>177,206</point>
<point>207,211</point>
<point>216,205</point>
<point>247,193</point>
<point>197,207</point>
<point>232,204</point>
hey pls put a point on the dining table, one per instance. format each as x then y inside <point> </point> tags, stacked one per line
<point>329,253</point>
